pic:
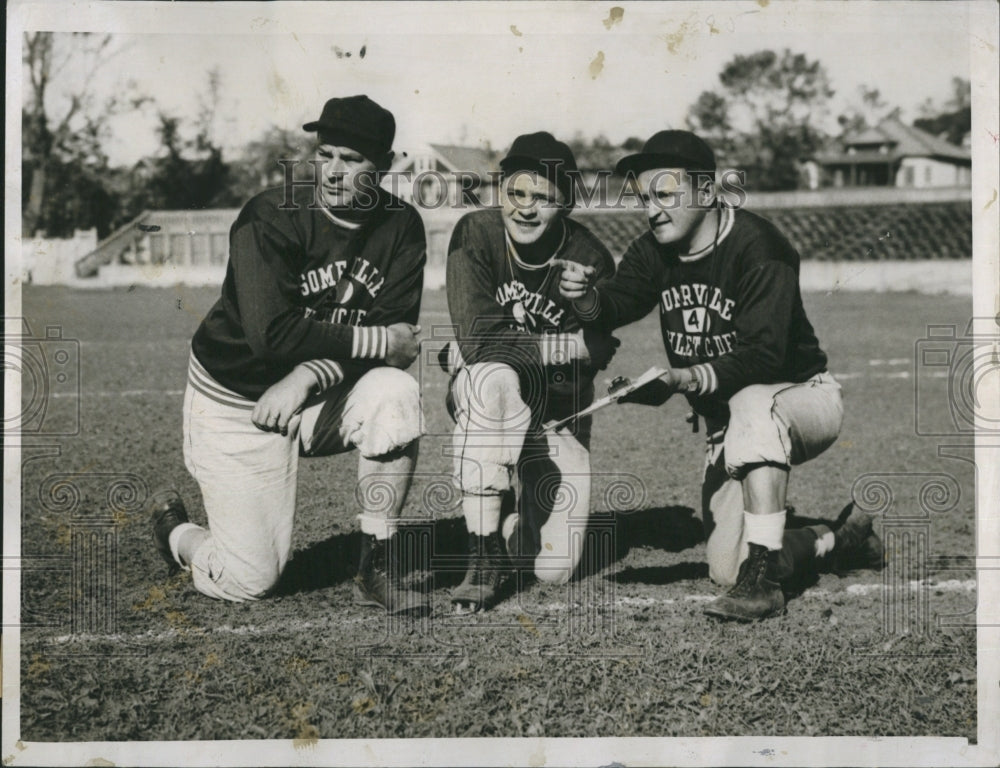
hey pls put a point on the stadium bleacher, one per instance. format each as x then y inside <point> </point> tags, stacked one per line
<point>845,233</point>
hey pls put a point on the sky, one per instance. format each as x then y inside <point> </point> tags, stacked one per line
<point>484,72</point>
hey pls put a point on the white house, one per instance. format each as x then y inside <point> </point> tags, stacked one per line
<point>893,154</point>
<point>437,176</point>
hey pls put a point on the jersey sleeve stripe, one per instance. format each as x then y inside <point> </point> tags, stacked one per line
<point>370,343</point>
<point>328,372</point>
<point>383,349</point>
<point>556,348</point>
<point>321,374</point>
<point>590,312</point>
<point>356,342</point>
<point>338,372</point>
<point>708,381</point>
<point>333,370</point>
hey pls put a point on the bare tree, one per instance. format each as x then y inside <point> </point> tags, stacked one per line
<point>59,116</point>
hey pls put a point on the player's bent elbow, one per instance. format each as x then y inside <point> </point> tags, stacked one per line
<point>765,369</point>
<point>264,349</point>
<point>272,342</point>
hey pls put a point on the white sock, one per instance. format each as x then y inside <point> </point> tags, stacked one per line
<point>824,543</point>
<point>482,513</point>
<point>765,530</point>
<point>175,539</point>
<point>380,527</point>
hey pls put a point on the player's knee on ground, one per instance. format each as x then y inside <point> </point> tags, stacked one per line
<point>389,416</point>
<point>722,509</point>
<point>260,584</point>
<point>550,572</point>
<point>724,562</point>
<point>230,578</point>
<point>560,550</point>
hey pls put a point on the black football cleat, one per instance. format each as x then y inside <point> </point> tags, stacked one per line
<point>870,555</point>
<point>378,582</point>
<point>855,544</point>
<point>754,596</point>
<point>487,575</point>
<point>166,511</point>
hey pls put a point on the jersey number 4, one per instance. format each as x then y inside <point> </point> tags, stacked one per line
<point>695,319</point>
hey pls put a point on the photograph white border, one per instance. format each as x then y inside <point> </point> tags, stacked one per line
<point>561,18</point>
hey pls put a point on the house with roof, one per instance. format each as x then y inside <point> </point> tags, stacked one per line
<point>435,176</point>
<point>893,154</point>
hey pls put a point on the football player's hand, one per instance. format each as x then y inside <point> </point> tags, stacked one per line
<point>575,279</point>
<point>656,392</point>
<point>403,345</point>
<point>599,348</point>
<point>283,400</point>
<point>659,390</point>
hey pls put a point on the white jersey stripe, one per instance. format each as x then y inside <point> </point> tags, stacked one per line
<point>200,380</point>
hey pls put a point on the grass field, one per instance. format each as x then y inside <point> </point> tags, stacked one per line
<point>622,651</point>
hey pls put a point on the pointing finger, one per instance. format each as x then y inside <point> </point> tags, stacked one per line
<point>573,266</point>
<point>573,269</point>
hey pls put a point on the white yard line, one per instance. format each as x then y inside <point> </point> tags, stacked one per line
<point>853,590</point>
<point>892,375</point>
<point>225,629</point>
<point>121,393</point>
<point>287,627</point>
